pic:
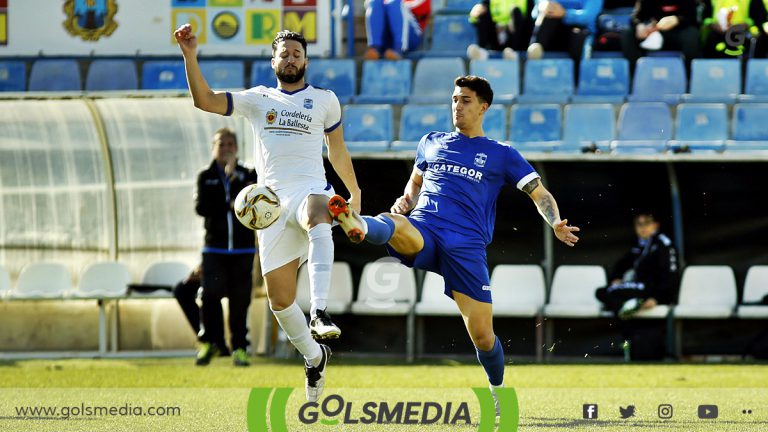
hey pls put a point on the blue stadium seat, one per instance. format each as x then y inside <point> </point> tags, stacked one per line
<point>756,87</point>
<point>456,7</point>
<point>504,76</point>
<point>748,128</point>
<point>223,74</point>
<point>385,81</point>
<point>418,120</point>
<point>262,74</point>
<point>715,80</point>
<point>547,81</point>
<point>334,74</point>
<point>589,124</point>
<point>749,122</point>
<point>535,123</point>
<point>55,75</point>
<point>433,80</point>
<point>368,123</point>
<point>451,35</point>
<point>644,127</point>
<point>604,80</point>
<point>112,75</point>
<point>495,122</point>
<point>658,79</point>
<point>700,127</point>
<point>163,75</point>
<point>13,76</point>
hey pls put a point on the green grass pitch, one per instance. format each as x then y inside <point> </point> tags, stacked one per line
<point>215,398</point>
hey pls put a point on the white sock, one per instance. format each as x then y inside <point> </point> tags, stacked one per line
<point>319,266</point>
<point>294,324</point>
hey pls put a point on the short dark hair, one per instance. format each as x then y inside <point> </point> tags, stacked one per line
<point>479,85</point>
<point>224,132</point>
<point>647,214</point>
<point>284,35</point>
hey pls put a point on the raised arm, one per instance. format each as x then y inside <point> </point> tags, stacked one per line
<point>547,207</point>
<point>339,157</point>
<point>407,201</point>
<point>204,98</point>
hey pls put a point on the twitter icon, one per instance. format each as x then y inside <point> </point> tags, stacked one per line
<point>627,412</point>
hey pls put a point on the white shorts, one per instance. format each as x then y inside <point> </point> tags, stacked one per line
<point>286,239</point>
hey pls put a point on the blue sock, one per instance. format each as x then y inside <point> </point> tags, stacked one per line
<point>493,363</point>
<point>380,229</point>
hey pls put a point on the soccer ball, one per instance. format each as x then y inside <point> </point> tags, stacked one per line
<point>257,206</point>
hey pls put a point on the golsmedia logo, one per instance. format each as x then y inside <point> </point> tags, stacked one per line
<point>267,411</point>
<point>411,412</point>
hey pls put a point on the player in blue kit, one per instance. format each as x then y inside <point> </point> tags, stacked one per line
<point>452,195</point>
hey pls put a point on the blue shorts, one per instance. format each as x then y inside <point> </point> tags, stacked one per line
<point>460,259</point>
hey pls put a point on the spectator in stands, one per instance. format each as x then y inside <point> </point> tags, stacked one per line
<point>646,275</point>
<point>394,27</point>
<point>228,252</point>
<point>730,26</point>
<point>186,294</point>
<point>669,25</point>
<point>563,26</point>
<point>502,25</point>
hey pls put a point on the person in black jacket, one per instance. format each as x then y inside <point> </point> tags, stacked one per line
<point>676,23</point>
<point>228,252</point>
<point>646,276</point>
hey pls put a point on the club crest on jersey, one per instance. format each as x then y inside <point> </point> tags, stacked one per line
<point>271,116</point>
<point>308,104</point>
<point>480,159</point>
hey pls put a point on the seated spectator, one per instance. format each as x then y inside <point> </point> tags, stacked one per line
<point>730,26</point>
<point>394,26</point>
<point>502,25</point>
<point>563,26</point>
<point>668,25</point>
<point>646,275</point>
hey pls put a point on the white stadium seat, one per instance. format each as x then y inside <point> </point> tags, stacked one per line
<point>386,288</point>
<point>340,295</point>
<point>573,292</point>
<point>163,273</point>
<point>42,280</point>
<point>706,292</point>
<point>5,283</point>
<point>434,302</point>
<point>518,290</point>
<point>755,288</point>
<point>103,280</point>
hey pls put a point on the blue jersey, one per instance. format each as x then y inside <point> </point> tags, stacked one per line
<point>462,179</point>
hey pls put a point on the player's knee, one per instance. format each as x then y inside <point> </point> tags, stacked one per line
<point>278,304</point>
<point>484,339</point>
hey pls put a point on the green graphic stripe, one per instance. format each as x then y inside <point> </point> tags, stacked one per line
<point>257,409</point>
<point>509,418</point>
<point>487,409</point>
<point>277,409</point>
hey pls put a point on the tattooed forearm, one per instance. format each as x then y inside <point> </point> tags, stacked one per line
<point>548,208</point>
<point>530,186</point>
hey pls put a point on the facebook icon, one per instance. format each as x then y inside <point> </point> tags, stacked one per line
<point>590,411</point>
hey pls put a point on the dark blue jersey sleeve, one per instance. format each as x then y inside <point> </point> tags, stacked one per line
<point>518,171</point>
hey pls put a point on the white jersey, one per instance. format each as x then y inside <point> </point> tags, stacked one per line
<point>289,132</point>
